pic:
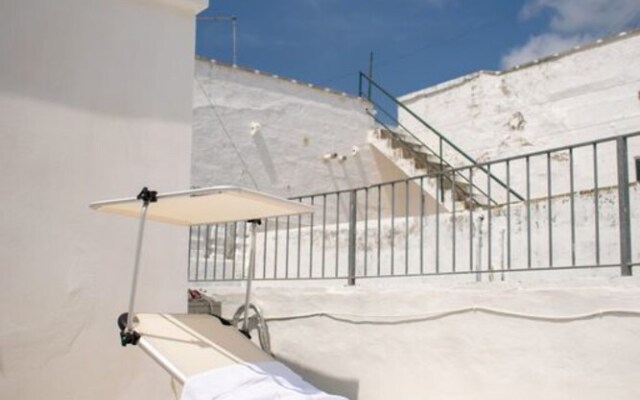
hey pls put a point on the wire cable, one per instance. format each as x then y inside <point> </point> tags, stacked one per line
<point>245,167</point>
<point>410,319</point>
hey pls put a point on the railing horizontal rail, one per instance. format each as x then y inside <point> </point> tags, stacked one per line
<point>580,212</point>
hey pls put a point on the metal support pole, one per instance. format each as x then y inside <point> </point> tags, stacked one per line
<point>352,237</point>
<point>136,266</point>
<point>251,272</point>
<point>127,334</point>
<point>623,206</point>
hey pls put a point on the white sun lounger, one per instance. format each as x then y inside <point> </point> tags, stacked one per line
<point>198,348</point>
<point>191,344</point>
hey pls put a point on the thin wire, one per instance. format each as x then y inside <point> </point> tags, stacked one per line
<point>226,132</point>
<point>385,62</point>
<point>407,319</point>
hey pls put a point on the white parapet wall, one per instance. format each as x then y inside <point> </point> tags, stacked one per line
<point>500,340</point>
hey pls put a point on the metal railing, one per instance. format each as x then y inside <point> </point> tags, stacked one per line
<point>577,213</point>
<point>443,142</point>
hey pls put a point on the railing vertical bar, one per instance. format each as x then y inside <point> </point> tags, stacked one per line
<point>215,250</point>
<point>624,211</point>
<point>549,211</point>
<point>438,195</point>
<point>311,239</point>
<point>453,221</point>
<point>286,248</point>
<point>189,264</point>
<point>441,176</point>
<point>235,244</point>
<point>224,252</point>
<point>596,196</point>
<point>224,249</point>
<point>324,231</point>
<point>351,256</point>
<point>379,225</point>
<point>198,256</point>
<point>528,164</point>
<point>366,230</point>
<point>470,204</point>
<point>299,244</point>
<point>244,249</point>
<point>406,227</point>
<point>508,215</point>
<point>264,250</point>
<point>393,231</point>
<point>337,232</point>
<point>573,208</point>
<point>275,248</point>
<point>206,252</point>
<point>421,225</point>
<point>489,201</point>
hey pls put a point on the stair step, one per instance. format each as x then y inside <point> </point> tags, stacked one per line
<point>481,199</point>
<point>455,185</point>
<point>429,158</point>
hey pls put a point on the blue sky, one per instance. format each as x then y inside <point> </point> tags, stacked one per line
<point>416,43</point>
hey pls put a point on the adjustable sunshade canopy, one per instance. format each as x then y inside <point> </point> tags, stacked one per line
<point>197,207</point>
<point>206,206</point>
<point>198,350</point>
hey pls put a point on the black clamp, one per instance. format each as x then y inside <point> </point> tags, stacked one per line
<point>255,221</point>
<point>127,337</point>
<point>147,196</point>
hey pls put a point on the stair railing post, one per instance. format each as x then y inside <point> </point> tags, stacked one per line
<point>370,74</point>
<point>623,206</point>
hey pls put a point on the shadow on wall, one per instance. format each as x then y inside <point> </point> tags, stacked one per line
<point>263,151</point>
<point>329,384</point>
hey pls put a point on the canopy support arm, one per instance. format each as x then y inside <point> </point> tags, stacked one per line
<point>252,269</point>
<point>129,335</point>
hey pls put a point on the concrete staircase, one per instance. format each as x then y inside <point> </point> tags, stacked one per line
<point>415,159</point>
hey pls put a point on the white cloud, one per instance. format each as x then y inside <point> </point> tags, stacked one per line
<point>579,16</point>
<point>572,22</point>
<point>542,46</point>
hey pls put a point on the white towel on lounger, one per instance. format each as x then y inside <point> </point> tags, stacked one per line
<point>260,381</point>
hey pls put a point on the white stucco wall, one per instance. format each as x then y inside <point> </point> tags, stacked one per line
<point>295,125</point>
<point>95,102</point>
<point>575,97</point>
<point>394,342</point>
<point>390,340</point>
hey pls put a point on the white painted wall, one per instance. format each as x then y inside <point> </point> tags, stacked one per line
<point>94,103</point>
<point>386,346</point>
<point>294,126</point>
<point>388,337</point>
<point>571,98</point>
<point>580,96</point>
<point>386,343</point>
